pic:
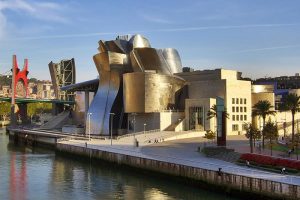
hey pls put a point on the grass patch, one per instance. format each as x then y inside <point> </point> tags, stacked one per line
<point>282,148</point>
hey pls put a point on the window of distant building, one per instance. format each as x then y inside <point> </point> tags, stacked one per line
<point>245,109</point>
<point>233,100</point>
<point>235,127</point>
<point>241,101</point>
<point>244,127</point>
<point>233,117</point>
<point>237,118</point>
<point>241,109</point>
<point>237,109</point>
<point>245,117</point>
<point>245,101</point>
<point>233,109</point>
<point>241,117</point>
<point>237,100</point>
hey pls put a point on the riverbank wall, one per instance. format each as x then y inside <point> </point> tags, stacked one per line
<point>246,187</point>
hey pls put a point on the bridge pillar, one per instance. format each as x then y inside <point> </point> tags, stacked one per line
<point>22,113</point>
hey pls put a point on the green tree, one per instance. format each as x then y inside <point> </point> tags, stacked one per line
<point>263,108</point>
<point>31,110</point>
<point>271,132</point>
<point>252,133</point>
<point>210,135</point>
<point>4,110</point>
<point>291,102</point>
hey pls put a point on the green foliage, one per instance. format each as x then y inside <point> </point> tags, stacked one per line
<point>291,102</point>
<point>252,131</point>
<point>4,110</point>
<point>38,108</point>
<point>270,131</point>
<point>263,108</point>
<point>210,135</point>
<point>5,80</point>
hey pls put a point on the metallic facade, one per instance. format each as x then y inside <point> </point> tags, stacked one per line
<point>133,77</point>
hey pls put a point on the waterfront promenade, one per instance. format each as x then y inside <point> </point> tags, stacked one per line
<point>182,152</point>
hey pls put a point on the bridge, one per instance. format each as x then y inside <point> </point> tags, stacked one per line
<point>29,100</point>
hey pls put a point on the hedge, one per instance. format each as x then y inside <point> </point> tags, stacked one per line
<point>269,160</point>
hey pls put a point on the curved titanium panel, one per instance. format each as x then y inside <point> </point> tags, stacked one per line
<point>150,92</point>
<point>149,59</point>
<point>109,84</point>
<point>173,59</point>
<point>138,41</point>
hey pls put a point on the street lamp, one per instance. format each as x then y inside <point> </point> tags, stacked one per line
<point>134,114</point>
<point>145,128</point>
<point>111,126</point>
<point>89,119</point>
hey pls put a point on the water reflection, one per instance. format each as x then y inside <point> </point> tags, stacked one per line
<point>40,174</point>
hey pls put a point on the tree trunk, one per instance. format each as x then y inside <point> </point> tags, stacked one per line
<point>271,147</point>
<point>293,126</point>
<point>251,143</point>
<point>263,135</point>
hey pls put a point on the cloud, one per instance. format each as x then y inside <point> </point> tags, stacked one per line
<point>155,19</point>
<point>267,48</point>
<point>132,32</point>
<point>44,11</point>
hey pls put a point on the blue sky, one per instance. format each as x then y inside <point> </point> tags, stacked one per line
<point>257,37</point>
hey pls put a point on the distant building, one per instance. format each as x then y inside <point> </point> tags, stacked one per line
<point>282,86</point>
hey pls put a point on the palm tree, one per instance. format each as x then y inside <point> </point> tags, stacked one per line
<point>212,113</point>
<point>263,108</point>
<point>292,102</point>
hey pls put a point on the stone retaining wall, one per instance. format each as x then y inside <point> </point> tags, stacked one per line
<point>224,180</point>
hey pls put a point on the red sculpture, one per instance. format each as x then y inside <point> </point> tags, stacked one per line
<point>21,80</point>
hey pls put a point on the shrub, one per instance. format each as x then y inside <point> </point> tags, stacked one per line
<point>273,161</point>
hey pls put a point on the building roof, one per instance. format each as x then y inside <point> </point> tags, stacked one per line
<point>90,85</point>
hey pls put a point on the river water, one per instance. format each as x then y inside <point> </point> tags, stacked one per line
<point>27,173</point>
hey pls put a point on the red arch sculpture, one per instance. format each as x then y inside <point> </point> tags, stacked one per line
<point>21,75</point>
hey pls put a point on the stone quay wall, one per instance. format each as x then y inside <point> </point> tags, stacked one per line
<point>225,181</point>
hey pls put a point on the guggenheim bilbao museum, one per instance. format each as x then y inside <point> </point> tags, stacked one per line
<point>143,88</point>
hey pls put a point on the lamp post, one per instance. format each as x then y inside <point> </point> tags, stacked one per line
<point>145,128</point>
<point>89,118</point>
<point>111,126</point>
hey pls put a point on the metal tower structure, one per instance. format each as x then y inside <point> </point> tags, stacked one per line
<point>63,74</point>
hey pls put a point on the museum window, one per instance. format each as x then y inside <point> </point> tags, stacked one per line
<point>233,109</point>
<point>245,117</point>
<point>241,109</point>
<point>237,118</point>
<point>237,109</point>
<point>233,100</point>
<point>233,117</point>
<point>245,101</point>
<point>237,100</point>
<point>245,109</point>
<point>241,101</point>
<point>241,117</point>
<point>235,127</point>
<point>244,127</point>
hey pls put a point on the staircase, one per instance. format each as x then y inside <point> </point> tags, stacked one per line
<point>57,121</point>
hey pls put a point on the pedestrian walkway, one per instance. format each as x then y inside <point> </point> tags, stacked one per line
<point>182,152</point>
